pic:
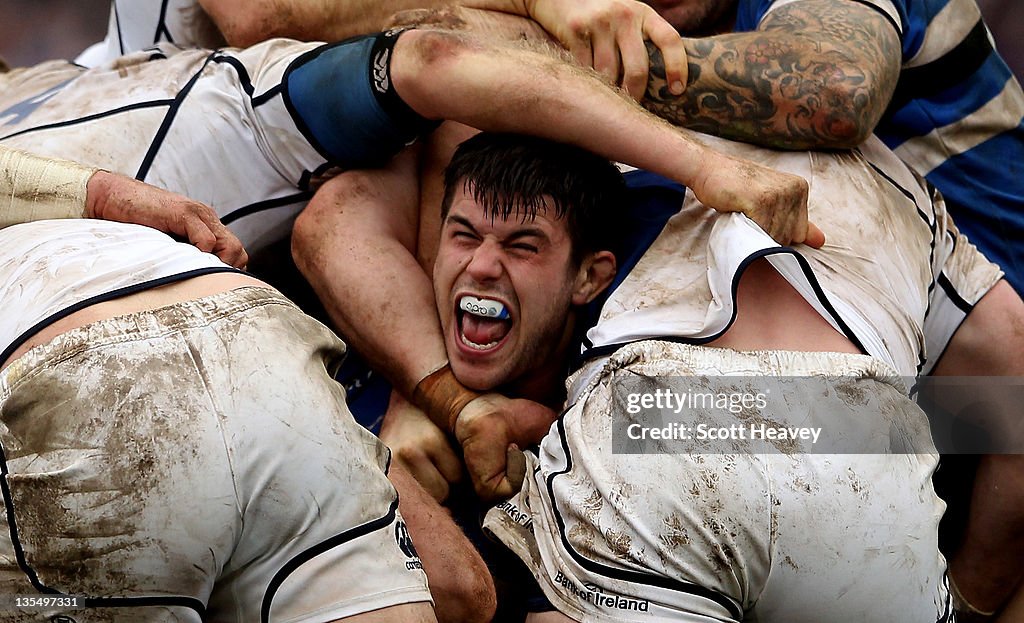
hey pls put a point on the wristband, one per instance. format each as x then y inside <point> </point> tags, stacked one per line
<point>34,188</point>
<point>442,397</point>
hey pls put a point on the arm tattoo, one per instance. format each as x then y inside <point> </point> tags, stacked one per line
<point>817,74</point>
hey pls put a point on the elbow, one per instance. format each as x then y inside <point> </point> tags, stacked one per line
<point>423,67</point>
<point>845,135</point>
<point>850,115</point>
<point>847,129</point>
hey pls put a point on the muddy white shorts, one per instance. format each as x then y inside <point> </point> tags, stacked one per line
<point>713,536</point>
<point>196,462</point>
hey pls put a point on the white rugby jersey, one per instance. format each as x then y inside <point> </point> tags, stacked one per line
<point>52,267</point>
<point>139,24</point>
<point>892,258</point>
<point>168,117</point>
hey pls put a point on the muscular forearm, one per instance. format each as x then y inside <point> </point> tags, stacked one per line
<point>354,242</point>
<point>246,22</point>
<point>444,75</point>
<point>448,76</point>
<point>459,580</point>
<point>817,74</point>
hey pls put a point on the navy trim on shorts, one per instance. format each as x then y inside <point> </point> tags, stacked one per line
<point>109,296</point>
<point>320,548</point>
<point>120,35</point>
<point>953,295</point>
<point>90,602</point>
<point>614,573</point>
<point>962,305</point>
<point>933,228</point>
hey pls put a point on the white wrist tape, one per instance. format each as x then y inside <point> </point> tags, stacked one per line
<point>34,188</point>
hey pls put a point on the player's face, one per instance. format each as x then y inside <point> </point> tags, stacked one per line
<point>485,268</point>
<point>692,17</point>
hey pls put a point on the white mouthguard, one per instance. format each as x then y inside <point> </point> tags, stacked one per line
<point>483,307</point>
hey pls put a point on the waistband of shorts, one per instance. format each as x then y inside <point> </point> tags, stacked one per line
<point>729,362</point>
<point>141,325</point>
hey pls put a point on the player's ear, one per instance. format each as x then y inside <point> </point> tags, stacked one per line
<point>595,273</point>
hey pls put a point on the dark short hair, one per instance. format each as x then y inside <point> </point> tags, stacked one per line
<point>511,174</point>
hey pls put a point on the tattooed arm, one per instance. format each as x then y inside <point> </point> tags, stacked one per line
<point>816,74</point>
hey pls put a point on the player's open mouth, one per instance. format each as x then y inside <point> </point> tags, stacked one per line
<point>482,323</point>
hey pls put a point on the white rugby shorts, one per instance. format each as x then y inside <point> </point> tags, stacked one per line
<point>693,536</point>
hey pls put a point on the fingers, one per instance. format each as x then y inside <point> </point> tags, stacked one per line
<point>579,47</point>
<point>635,64</point>
<point>673,51</point>
<point>606,54</point>
<point>197,232</point>
<point>619,53</point>
<point>204,230</point>
<point>445,462</point>
<point>515,467</point>
<point>425,473</point>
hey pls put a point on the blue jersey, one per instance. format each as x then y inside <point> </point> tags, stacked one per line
<point>957,118</point>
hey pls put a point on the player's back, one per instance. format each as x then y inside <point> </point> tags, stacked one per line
<point>210,125</point>
<point>887,242</point>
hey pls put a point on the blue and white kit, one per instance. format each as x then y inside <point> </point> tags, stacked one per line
<point>957,118</point>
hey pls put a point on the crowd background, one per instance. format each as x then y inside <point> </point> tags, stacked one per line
<point>36,30</point>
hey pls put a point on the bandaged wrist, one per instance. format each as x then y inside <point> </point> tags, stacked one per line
<point>442,397</point>
<point>34,188</point>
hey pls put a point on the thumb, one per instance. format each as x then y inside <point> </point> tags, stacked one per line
<point>515,466</point>
<point>815,237</point>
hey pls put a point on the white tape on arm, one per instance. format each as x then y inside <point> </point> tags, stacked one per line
<point>34,188</point>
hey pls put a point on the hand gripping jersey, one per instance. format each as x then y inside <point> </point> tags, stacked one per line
<point>51,268</point>
<point>895,275</point>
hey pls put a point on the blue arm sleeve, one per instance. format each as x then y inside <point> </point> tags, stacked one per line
<point>343,100</point>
